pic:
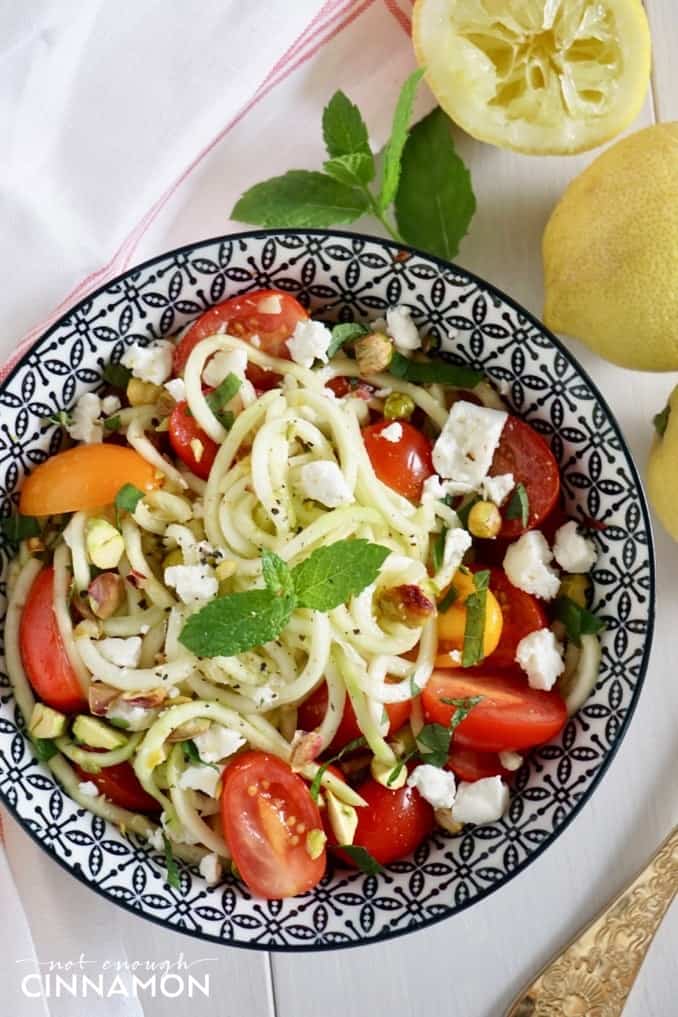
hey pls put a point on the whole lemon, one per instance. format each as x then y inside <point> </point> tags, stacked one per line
<point>662,467</point>
<point>610,253</point>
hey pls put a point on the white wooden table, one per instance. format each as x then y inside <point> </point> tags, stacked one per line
<point>472,964</point>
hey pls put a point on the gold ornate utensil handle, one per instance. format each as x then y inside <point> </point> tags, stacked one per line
<point>593,975</point>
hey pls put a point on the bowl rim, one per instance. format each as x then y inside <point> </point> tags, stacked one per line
<point>495,291</point>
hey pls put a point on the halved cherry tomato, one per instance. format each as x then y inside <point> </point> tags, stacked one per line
<point>184,429</point>
<point>266,813</point>
<point>471,764</point>
<point>355,387</point>
<point>121,785</point>
<point>525,454</point>
<point>84,477</point>
<point>269,314</point>
<point>510,714</point>
<point>44,657</point>
<point>314,707</point>
<point>392,824</point>
<point>522,614</point>
<point>402,465</point>
<point>452,623</point>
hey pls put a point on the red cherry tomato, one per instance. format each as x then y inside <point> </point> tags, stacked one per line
<point>402,465</point>
<point>392,824</point>
<point>44,657</point>
<point>510,715</point>
<point>526,455</point>
<point>120,784</point>
<point>470,764</point>
<point>521,613</point>
<point>183,429</point>
<point>266,813</point>
<point>243,317</point>
<point>314,707</point>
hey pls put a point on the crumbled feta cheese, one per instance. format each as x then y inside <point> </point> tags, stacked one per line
<point>150,363</point>
<point>201,778</point>
<point>392,433</point>
<point>457,543</point>
<point>483,801</point>
<point>223,363</point>
<point>455,656</point>
<point>402,329</point>
<point>309,342</point>
<point>541,657</point>
<point>85,416</point>
<point>265,695</point>
<point>527,565</point>
<point>132,717</point>
<point>122,652</point>
<point>435,785</point>
<point>192,582</point>
<point>111,404</point>
<point>434,489</point>
<point>573,552</point>
<point>155,839</point>
<point>323,481</point>
<point>464,449</point>
<point>89,789</point>
<point>511,760</point>
<point>270,305</point>
<point>217,743</point>
<point>210,868</point>
<point>497,489</point>
<point>177,389</point>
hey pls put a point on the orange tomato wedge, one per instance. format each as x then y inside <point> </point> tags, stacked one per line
<point>85,477</point>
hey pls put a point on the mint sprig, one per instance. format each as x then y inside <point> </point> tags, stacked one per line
<point>326,579</point>
<point>424,196</point>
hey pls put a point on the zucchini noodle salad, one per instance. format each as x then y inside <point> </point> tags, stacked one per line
<point>294,591</point>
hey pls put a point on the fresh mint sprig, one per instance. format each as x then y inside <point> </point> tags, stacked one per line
<point>424,196</point>
<point>326,579</point>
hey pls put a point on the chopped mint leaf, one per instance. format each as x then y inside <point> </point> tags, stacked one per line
<point>45,748</point>
<point>433,372</point>
<point>314,790</point>
<point>343,333</point>
<point>361,857</point>
<point>220,397</point>
<point>171,864</point>
<point>436,738</point>
<point>333,574</point>
<point>112,423</point>
<point>299,199</point>
<point>474,631</point>
<point>438,550</point>
<point>519,505</point>
<point>578,621</point>
<point>661,421</point>
<point>448,600</point>
<point>17,528</point>
<point>394,147</point>
<point>116,375</point>
<point>126,500</point>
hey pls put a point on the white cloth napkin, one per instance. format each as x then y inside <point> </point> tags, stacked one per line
<point>130,128</point>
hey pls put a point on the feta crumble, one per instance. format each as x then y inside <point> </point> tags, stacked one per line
<point>497,489</point>
<point>309,342</point>
<point>110,404</point>
<point>89,789</point>
<point>133,717</point>
<point>177,389</point>
<point>155,839</point>
<point>435,785</point>
<point>483,801</point>
<point>573,552</point>
<point>324,481</point>
<point>455,657</point>
<point>121,652</point>
<point>85,424</point>
<point>466,445</point>
<point>200,778</point>
<point>217,743</point>
<point>511,760</point>
<point>402,329</point>
<point>210,868</point>
<point>192,582</point>
<point>150,363</point>
<point>541,657</point>
<point>392,433</point>
<point>457,543</point>
<point>223,363</point>
<point>527,565</point>
<point>265,695</point>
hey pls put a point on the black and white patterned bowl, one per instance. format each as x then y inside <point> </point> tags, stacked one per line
<point>342,275</point>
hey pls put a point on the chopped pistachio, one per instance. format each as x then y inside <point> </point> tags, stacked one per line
<point>140,393</point>
<point>373,352</point>
<point>315,843</point>
<point>343,819</point>
<point>105,544</point>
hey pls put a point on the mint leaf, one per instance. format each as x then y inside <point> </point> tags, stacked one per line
<point>299,199</point>
<point>578,621</point>
<point>191,755</point>
<point>474,631</point>
<point>126,500</point>
<point>277,575</point>
<point>394,147</point>
<point>112,423</point>
<point>345,131</point>
<point>435,201</point>
<point>431,372</point>
<point>343,333</point>
<point>661,421</point>
<point>355,169</point>
<point>170,864</point>
<point>237,622</point>
<point>17,528</point>
<point>438,550</point>
<point>314,790</point>
<point>45,748</point>
<point>220,397</point>
<point>519,505</point>
<point>462,709</point>
<point>116,375</point>
<point>436,741</point>
<point>448,600</point>
<point>333,574</point>
<point>361,857</point>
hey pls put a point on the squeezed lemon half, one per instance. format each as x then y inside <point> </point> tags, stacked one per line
<point>538,76</point>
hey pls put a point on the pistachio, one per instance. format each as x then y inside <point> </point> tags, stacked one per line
<point>105,594</point>
<point>306,745</point>
<point>189,729</point>
<point>373,352</point>
<point>343,819</point>
<point>406,604</point>
<point>315,843</point>
<point>100,698</point>
<point>140,393</point>
<point>105,545</point>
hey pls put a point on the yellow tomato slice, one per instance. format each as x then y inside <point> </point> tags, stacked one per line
<point>452,623</point>
<point>85,477</point>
